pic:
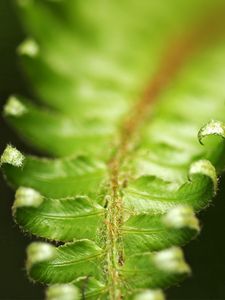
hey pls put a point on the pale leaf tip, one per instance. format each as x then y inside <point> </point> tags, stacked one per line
<point>38,252</point>
<point>29,48</point>
<point>150,295</point>
<point>181,216</point>
<point>12,156</point>
<point>171,260</point>
<point>211,128</point>
<point>14,107</point>
<point>204,167</point>
<point>62,292</point>
<point>27,197</point>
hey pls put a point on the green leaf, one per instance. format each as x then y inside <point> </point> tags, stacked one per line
<point>63,264</point>
<point>71,218</point>
<point>54,178</point>
<point>150,194</point>
<point>155,269</point>
<point>145,232</point>
<point>63,135</point>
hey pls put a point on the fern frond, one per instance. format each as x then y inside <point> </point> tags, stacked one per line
<point>126,177</point>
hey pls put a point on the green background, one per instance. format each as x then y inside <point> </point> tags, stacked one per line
<point>206,254</point>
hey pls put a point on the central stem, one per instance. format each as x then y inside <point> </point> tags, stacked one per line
<point>114,219</point>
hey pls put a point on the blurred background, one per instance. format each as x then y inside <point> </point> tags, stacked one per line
<point>206,254</point>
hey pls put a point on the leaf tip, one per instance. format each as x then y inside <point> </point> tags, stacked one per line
<point>172,260</point>
<point>181,216</point>
<point>38,252</point>
<point>62,292</point>
<point>211,128</point>
<point>28,47</point>
<point>150,295</point>
<point>14,107</point>
<point>27,197</point>
<point>204,167</point>
<point>12,156</point>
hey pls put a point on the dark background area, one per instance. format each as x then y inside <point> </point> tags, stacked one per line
<point>206,254</point>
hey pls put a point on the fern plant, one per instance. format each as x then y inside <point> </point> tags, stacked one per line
<point>126,174</point>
